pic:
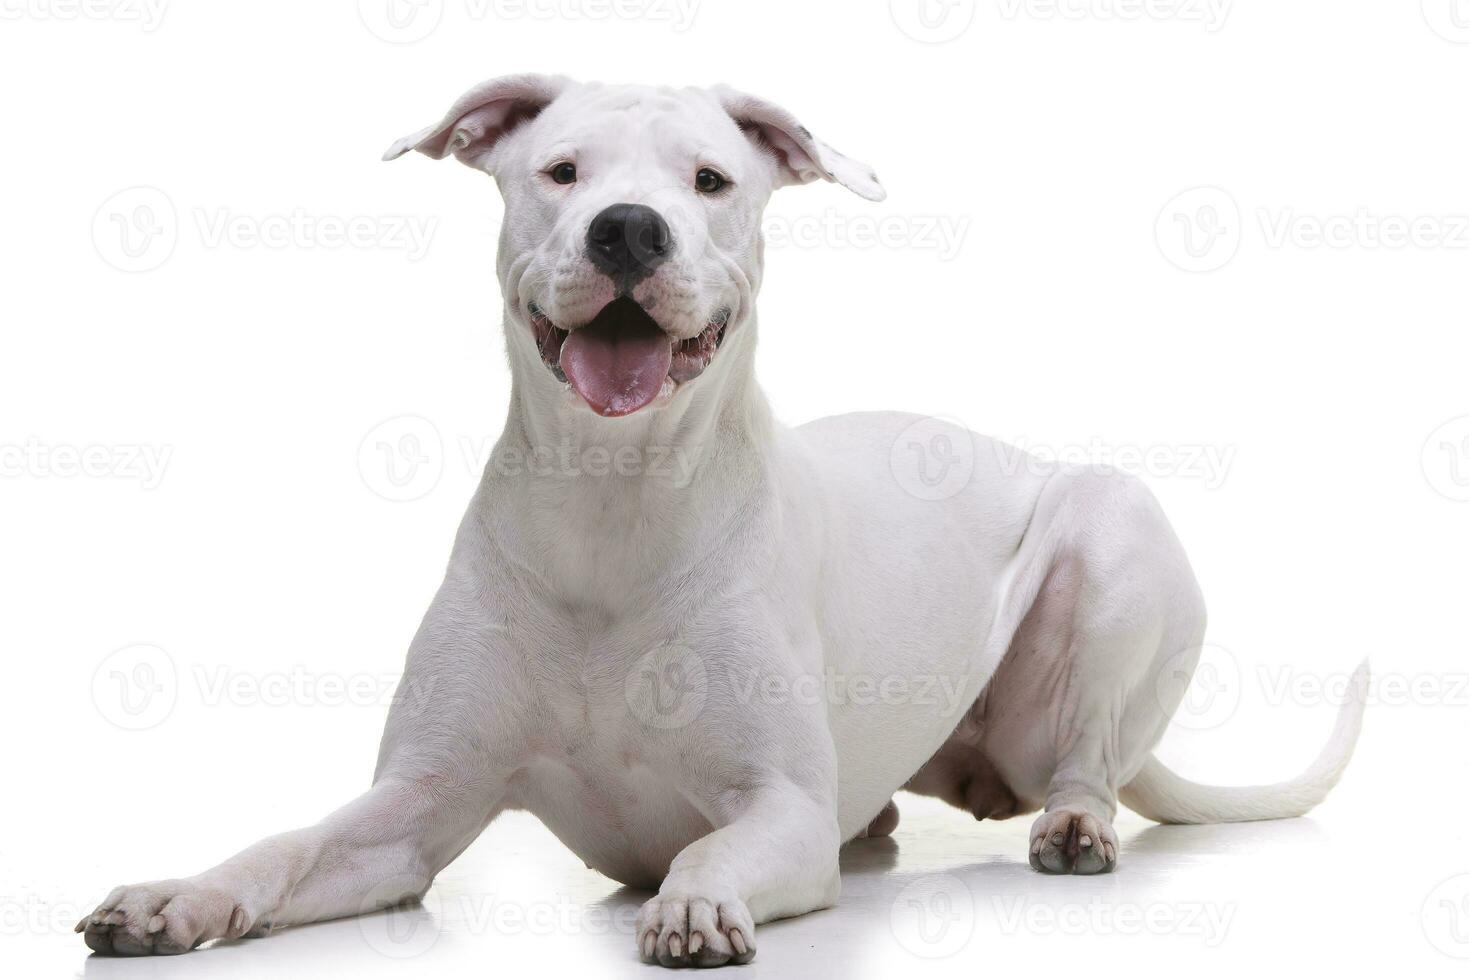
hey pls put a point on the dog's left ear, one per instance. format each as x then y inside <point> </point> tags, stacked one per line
<point>481,116</point>
<point>800,156</point>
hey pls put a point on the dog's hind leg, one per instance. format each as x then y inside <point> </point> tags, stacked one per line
<point>1106,724</point>
<point>1074,834</point>
<point>1074,709</point>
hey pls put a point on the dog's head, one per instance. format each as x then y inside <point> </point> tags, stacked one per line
<point>631,246</point>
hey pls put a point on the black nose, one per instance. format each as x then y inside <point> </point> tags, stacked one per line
<point>628,241</point>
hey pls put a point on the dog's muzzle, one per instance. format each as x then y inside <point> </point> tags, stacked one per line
<point>622,360</point>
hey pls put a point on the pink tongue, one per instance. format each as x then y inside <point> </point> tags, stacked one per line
<point>619,361</point>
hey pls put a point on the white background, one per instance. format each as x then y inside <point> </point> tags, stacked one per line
<point>239,406</point>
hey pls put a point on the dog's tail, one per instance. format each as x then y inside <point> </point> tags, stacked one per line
<point>1160,794</point>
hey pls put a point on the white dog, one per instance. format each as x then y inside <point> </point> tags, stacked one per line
<point>705,649</point>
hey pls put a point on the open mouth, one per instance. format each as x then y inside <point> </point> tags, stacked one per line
<point>622,360</point>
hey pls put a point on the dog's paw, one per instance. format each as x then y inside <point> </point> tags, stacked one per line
<point>692,930</point>
<point>163,917</point>
<point>1072,842</point>
<point>884,823</point>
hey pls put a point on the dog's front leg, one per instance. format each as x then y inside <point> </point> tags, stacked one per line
<point>383,847</point>
<point>441,778</point>
<point>773,854</point>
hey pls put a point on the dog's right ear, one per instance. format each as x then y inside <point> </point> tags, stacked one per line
<point>481,116</point>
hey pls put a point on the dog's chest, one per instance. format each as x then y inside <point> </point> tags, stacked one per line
<point>599,770</point>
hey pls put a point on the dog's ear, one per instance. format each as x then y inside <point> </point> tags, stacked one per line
<point>481,116</point>
<point>800,157</point>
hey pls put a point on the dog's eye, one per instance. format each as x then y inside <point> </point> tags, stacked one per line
<point>709,181</point>
<point>564,173</point>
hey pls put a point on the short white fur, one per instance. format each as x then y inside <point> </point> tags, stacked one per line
<point>1047,603</point>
